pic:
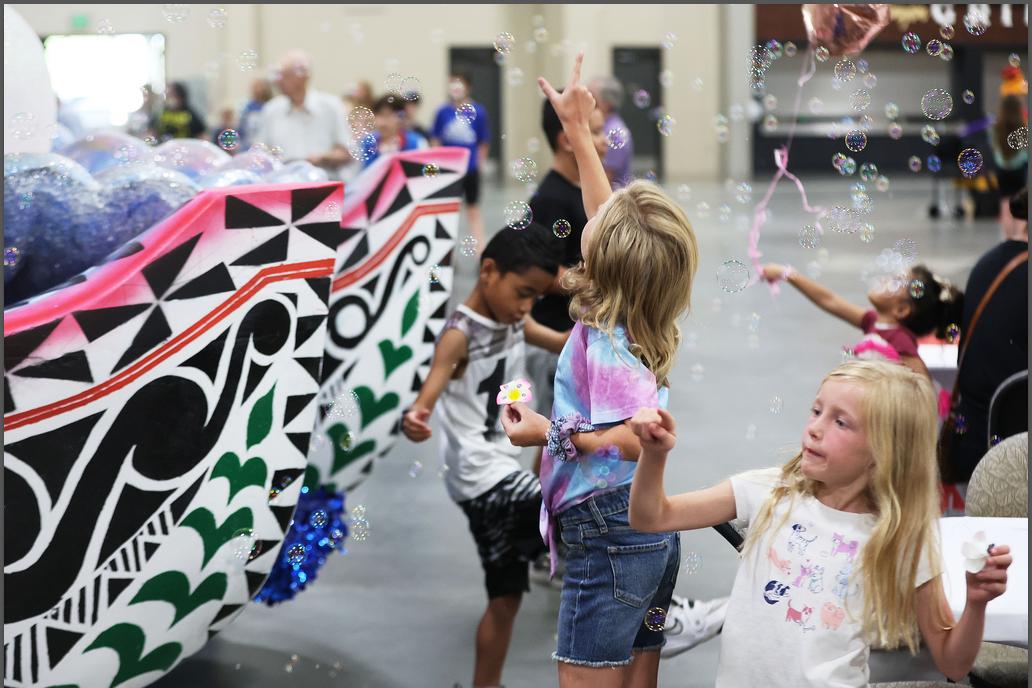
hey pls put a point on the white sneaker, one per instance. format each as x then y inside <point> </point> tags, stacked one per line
<point>691,622</point>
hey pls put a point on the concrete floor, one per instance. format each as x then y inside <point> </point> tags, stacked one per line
<point>399,610</point>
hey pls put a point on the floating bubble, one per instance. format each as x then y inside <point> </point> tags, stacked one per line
<point>776,405</point>
<point>816,105</point>
<point>247,60</point>
<point>525,169</point>
<point>217,18</point>
<point>229,139</point>
<point>790,49</point>
<point>1018,138</point>
<point>296,554</point>
<point>468,246</point>
<point>906,248</point>
<point>562,228</point>
<point>362,120</point>
<point>12,254</point>
<point>822,54</point>
<point>960,424</point>
<point>750,431</point>
<point>975,23</point>
<point>937,104</point>
<point>867,232</point>
<point>848,167</point>
<point>969,161</point>
<point>911,42</point>
<point>175,14</point>
<point>702,209</point>
<point>895,131</point>
<point>641,99</point>
<point>840,219</point>
<point>968,96</point>
<point>934,47</point>
<point>952,333</point>
<point>684,193</point>
<point>697,84</point>
<point>809,237</point>
<point>344,406</point>
<point>514,76</point>
<point>995,440</point>
<point>655,619</point>
<point>743,192</point>
<point>947,52</point>
<point>540,34</point>
<point>692,563</point>
<point>518,215</point>
<point>946,31</point>
<point>105,27</point>
<point>930,135</point>
<point>914,163</point>
<point>933,163</point>
<point>431,170</point>
<point>617,138</point>
<point>868,171</point>
<point>434,274</point>
<point>244,546</point>
<point>770,102</point>
<point>416,469</point>
<point>22,125</point>
<point>345,441</point>
<point>870,80</point>
<point>669,40</point>
<point>860,99</point>
<point>882,183</point>
<point>1014,60</point>
<point>845,69</point>
<point>466,113</point>
<point>359,530</point>
<point>666,78</point>
<point>410,88</point>
<point>504,42</point>
<point>917,289</point>
<point>891,110</point>
<point>318,518</point>
<point>665,125</point>
<point>856,141</point>
<point>770,123</point>
<point>732,276</point>
<point>775,48</point>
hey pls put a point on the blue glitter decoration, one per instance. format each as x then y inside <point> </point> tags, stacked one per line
<point>317,530</point>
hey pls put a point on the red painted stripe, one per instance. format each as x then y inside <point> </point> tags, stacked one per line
<point>354,275</point>
<point>279,273</point>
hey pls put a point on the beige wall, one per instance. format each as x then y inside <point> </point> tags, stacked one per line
<point>351,42</point>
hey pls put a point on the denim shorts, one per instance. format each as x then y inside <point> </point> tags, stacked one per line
<point>614,576</point>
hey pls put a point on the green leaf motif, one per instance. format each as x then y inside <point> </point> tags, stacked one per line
<point>213,536</point>
<point>408,316</point>
<point>393,357</point>
<point>371,407</point>
<point>127,640</point>
<point>174,587</point>
<point>228,466</point>
<point>260,421</point>
<point>344,456</point>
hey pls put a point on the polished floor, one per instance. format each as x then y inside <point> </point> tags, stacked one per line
<point>399,610</point>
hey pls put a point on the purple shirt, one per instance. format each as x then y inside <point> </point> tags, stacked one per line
<point>618,160</point>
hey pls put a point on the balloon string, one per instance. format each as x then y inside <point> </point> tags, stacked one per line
<point>781,161</point>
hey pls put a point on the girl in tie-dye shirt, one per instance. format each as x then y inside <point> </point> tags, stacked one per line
<point>640,257</point>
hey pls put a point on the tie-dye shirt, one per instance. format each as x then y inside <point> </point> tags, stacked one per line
<point>598,377</point>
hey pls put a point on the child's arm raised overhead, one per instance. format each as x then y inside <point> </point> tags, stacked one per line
<point>544,337</point>
<point>822,297</point>
<point>574,107</point>
<point>954,648</point>
<point>651,510</point>
<point>450,351</point>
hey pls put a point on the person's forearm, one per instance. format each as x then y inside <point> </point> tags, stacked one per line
<point>963,642</point>
<point>619,436</point>
<point>648,499</point>
<point>817,293</point>
<point>595,187</point>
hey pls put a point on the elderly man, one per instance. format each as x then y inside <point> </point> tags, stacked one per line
<point>305,123</point>
<point>609,93</point>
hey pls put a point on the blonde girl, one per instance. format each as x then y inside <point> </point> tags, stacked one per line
<point>841,551</point>
<point>640,257</point>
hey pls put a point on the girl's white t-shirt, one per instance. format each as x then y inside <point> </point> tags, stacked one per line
<point>793,618</point>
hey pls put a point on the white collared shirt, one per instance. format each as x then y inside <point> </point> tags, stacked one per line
<point>312,129</point>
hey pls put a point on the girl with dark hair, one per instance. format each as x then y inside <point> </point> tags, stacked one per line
<point>178,120</point>
<point>1011,165</point>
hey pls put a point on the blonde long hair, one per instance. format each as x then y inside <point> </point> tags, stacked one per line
<point>899,419</point>
<point>638,272</point>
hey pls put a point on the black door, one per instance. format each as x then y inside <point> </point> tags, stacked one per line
<point>638,69</point>
<point>478,64</point>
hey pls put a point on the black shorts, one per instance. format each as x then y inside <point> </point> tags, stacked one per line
<point>504,524</point>
<point>471,186</point>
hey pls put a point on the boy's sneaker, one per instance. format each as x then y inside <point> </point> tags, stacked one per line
<point>539,572</point>
<point>691,622</point>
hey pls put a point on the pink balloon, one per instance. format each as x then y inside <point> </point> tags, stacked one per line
<point>844,29</point>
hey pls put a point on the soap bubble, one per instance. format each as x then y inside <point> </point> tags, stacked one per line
<point>434,274</point>
<point>975,23</point>
<point>617,138</point>
<point>466,113</point>
<point>946,31</point>
<point>845,69</point>
<point>895,131</point>
<point>1014,60</point>
<point>870,80</point>
<point>698,371</point>
<point>732,276</point>
<point>525,169</point>
<point>416,469</point>
<point>917,289</point>
<point>934,47</point>
<point>22,125</point>
<point>911,42</point>
<point>318,518</point>
<point>641,99</point>
<point>217,18</point>
<point>105,27</point>
<point>882,183</point>
<point>175,14</point>
<point>867,232</point>
<point>860,99</point>
<point>344,406</point>
<point>776,405</point>
<point>743,192</point>
<point>247,60</point>
<point>809,237</point>
<point>891,110</point>
<point>1018,138</point>
<point>410,88</point>
<point>296,554</point>
<point>504,42</point>
<point>431,170</point>
<point>930,135</point>
<point>692,563</point>
<point>770,102</point>
<point>468,247</point>
<point>655,619</point>
<point>816,105</point>
<point>518,215</point>
<point>702,209</point>
<point>684,193</point>
<point>968,96</point>
<point>669,40</point>
<point>775,48</point>
<point>933,163</point>
<point>540,34</point>
<point>914,163</point>
<point>937,104</point>
<point>666,78</point>
<point>906,248</point>
<point>952,333</point>
<point>12,254</point>
<point>770,123</point>
<point>790,49</point>
<point>947,52</point>
<point>229,139</point>
<point>562,228</point>
<point>362,120</point>
<point>665,125</point>
<point>856,141</point>
<point>848,167</point>
<point>822,54</point>
<point>969,161</point>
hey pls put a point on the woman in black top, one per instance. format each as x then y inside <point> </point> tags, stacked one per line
<point>178,120</point>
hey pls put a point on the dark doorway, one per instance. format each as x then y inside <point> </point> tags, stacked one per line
<point>638,69</point>
<point>484,74</point>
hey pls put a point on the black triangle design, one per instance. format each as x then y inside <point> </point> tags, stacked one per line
<point>326,233</point>
<point>411,169</point>
<point>59,642</point>
<point>115,586</point>
<point>255,581</point>
<point>272,251</point>
<point>18,346</point>
<point>283,515</point>
<point>441,312</point>
<point>99,321</point>
<point>360,251</point>
<point>154,331</point>
<point>8,399</point>
<point>347,373</point>
<point>405,278</point>
<point>73,366</point>
<point>149,548</point>
<point>400,201</point>
<point>446,260</point>
<point>207,359</point>
<point>417,382</point>
<point>242,215</point>
<point>307,325</point>
<point>440,232</point>
<point>349,232</point>
<point>295,405</point>
<point>292,297</point>
<point>437,286</point>
<point>453,190</point>
<point>225,611</point>
<point>372,198</point>
<point>178,507</point>
<point>51,454</point>
<point>304,201</point>
<point>300,440</point>
<point>162,272</point>
<point>321,287</point>
<point>214,281</point>
<point>329,366</point>
<point>370,285</point>
<point>428,335</point>
<point>311,365</point>
<point>254,377</point>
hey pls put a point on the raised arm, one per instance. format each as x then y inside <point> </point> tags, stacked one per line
<point>451,350</point>
<point>574,107</point>
<point>821,296</point>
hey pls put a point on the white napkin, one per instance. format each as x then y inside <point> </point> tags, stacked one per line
<point>976,552</point>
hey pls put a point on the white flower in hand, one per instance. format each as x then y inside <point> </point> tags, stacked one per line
<point>976,552</point>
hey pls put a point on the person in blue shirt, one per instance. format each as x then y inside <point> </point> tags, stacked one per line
<point>463,122</point>
<point>390,135</point>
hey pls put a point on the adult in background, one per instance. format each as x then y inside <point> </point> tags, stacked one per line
<point>463,122</point>
<point>1011,165</point>
<point>305,123</point>
<point>609,95</point>
<point>250,114</point>
<point>997,346</point>
<point>178,119</point>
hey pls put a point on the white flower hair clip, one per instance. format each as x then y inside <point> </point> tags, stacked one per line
<point>515,391</point>
<point>976,552</point>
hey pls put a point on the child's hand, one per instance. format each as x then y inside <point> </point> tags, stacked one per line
<point>990,582</point>
<point>655,429</point>
<point>772,272</point>
<point>524,426</point>
<point>575,104</point>
<point>414,424</point>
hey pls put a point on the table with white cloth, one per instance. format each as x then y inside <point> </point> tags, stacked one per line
<point>941,361</point>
